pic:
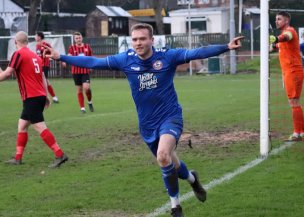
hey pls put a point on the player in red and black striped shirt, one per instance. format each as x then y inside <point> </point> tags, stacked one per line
<point>27,67</point>
<point>81,75</point>
<point>45,62</point>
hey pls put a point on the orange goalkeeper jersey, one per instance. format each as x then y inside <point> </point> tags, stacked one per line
<point>289,53</point>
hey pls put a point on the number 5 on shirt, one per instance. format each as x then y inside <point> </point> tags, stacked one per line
<point>37,69</point>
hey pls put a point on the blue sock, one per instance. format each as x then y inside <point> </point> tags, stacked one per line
<point>182,171</point>
<point>170,180</point>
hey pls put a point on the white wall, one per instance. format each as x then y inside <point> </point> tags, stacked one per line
<point>225,21</point>
<point>178,25</point>
<point>217,20</point>
<point>214,23</point>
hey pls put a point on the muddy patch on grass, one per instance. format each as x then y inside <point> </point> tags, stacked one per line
<point>131,139</point>
<point>220,138</point>
<point>225,138</point>
<point>92,154</point>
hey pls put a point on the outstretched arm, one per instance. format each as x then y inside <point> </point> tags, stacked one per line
<point>80,61</point>
<point>6,73</point>
<point>205,52</point>
<point>285,36</point>
<point>235,43</point>
<point>86,61</point>
<point>213,50</point>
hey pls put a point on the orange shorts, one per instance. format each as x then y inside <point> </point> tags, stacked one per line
<point>293,82</point>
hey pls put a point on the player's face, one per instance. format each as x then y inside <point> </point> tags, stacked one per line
<point>78,39</point>
<point>281,22</point>
<point>37,38</point>
<point>142,43</point>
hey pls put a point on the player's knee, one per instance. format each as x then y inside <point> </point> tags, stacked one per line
<point>163,158</point>
<point>294,103</point>
<point>79,90</point>
<point>86,86</point>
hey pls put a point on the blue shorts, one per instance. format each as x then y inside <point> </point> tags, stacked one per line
<point>172,126</point>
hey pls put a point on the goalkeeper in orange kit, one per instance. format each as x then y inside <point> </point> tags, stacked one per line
<point>292,70</point>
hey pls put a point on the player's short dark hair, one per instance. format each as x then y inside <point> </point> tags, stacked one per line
<point>143,26</point>
<point>284,14</point>
<point>40,34</point>
<point>77,33</point>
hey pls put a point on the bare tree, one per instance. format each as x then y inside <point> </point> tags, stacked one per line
<point>158,6</point>
<point>32,16</point>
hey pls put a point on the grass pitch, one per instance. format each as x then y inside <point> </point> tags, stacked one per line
<point>111,172</point>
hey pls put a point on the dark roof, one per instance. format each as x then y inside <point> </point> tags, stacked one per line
<point>77,6</point>
<point>19,3</point>
<point>113,11</point>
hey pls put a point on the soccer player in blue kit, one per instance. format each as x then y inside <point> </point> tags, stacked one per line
<point>150,73</point>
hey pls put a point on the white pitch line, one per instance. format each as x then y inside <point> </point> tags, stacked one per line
<point>83,117</point>
<point>166,207</point>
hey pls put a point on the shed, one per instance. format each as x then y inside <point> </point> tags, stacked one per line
<point>105,21</point>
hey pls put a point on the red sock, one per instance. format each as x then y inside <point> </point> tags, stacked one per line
<point>89,95</point>
<point>49,139</point>
<point>80,99</point>
<point>51,90</point>
<point>297,116</point>
<point>302,125</point>
<point>20,144</point>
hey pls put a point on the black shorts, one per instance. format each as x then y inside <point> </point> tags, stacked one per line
<point>46,71</point>
<point>79,79</point>
<point>33,109</point>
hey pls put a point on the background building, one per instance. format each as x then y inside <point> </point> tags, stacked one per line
<point>203,20</point>
<point>13,18</point>
<point>106,21</point>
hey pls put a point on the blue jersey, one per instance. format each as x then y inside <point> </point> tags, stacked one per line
<point>150,80</point>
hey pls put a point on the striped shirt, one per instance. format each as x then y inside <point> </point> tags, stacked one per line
<point>28,71</point>
<point>84,50</point>
<point>39,52</point>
